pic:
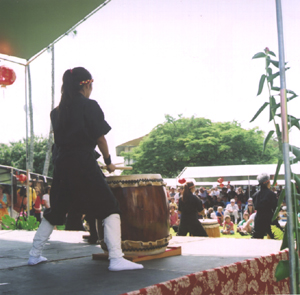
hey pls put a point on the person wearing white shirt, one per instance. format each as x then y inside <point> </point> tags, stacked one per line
<point>232,209</point>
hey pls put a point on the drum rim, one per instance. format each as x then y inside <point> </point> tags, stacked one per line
<point>134,177</point>
<point>209,221</point>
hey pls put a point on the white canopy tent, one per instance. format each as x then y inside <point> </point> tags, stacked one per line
<point>236,174</point>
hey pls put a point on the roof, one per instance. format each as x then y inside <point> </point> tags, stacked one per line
<point>7,171</point>
<point>233,172</point>
<point>29,26</point>
<point>132,143</point>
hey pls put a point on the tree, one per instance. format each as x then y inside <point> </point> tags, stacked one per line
<point>182,142</point>
<point>14,155</point>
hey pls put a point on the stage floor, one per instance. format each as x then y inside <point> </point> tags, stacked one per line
<point>70,268</point>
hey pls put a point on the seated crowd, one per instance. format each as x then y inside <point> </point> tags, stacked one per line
<point>227,205</point>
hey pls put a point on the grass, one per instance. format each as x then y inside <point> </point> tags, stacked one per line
<point>236,235</point>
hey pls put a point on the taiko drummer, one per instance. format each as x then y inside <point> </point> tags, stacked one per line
<point>78,183</point>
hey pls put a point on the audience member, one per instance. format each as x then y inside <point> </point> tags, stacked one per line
<point>224,194</point>
<point>209,202</point>
<point>178,195</point>
<point>250,209</point>
<point>174,220</point>
<point>37,206</point>
<point>215,191</point>
<point>228,228</point>
<point>46,198</point>
<point>240,227</point>
<point>203,194</point>
<point>220,215</point>
<point>232,193</point>
<point>232,209</point>
<point>172,192</point>
<point>4,203</point>
<point>209,213</point>
<point>173,203</point>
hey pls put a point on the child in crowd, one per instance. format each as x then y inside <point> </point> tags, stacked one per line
<point>173,203</point>
<point>209,213</point>
<point>240,227</point>
<point>220,215</point>
<point>228,228</point>
<point>282,214</point>
<point>174,220</point>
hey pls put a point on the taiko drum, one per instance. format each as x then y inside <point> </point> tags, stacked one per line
<point>145,224</point>
<point>211,227</point>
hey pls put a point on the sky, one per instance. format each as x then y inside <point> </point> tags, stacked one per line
<point>158,57</point>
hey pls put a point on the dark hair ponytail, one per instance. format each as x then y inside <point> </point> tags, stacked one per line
<point>187,190</point>
<point>69,90</point>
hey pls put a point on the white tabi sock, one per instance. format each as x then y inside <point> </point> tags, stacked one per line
<point>112,238</point>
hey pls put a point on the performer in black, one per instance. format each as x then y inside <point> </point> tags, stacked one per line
<point>78,183</point>
<point>265,203</point>
<point>189,206</point>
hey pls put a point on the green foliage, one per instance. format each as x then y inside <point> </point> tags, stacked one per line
<point>14,155</point>
<point>182,142</point>
<point>10,223</point>
<point>282,270</point>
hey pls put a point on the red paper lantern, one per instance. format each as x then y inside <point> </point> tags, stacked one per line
<point>22,178</point>
<point>220,180</point>
<point>7,76</point>
<point>221,185</point>
<point>182,181</point>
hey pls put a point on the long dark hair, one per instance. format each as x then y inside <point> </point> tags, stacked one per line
<point>70,89</point>
<point>187,190</point>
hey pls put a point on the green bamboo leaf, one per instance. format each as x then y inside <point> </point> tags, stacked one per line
<point>279,163</point>
<point>280,200</point>
<point>295,150</point>
<point>267,61</point>
<point>274,63</point>
<point>285,243</point>
<point>296,178</point>
<point>273,107</point>
<point>295,160</point>
<point>275,88</point>
<point>261,84</point>
<point>272,53</point>
<point>291,97</point>
<point>259,55</point>
<point>290,91</point>
<point>278,132</point>
<point>272,77</point>
<point>259,111</point>
<point>282,270</point>
<point>267,139</point>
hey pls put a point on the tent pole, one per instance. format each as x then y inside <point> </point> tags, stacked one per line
<point>285,145</point>
<point>27,156</point>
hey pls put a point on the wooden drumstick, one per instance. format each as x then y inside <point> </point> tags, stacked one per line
<point>119,167</point>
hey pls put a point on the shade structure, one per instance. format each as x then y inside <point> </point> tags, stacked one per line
<point>29,26</point>
<point>233,172</point>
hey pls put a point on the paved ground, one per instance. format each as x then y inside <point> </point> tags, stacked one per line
<point>71,270</point>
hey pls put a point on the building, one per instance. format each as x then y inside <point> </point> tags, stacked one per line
<point>127,147</point>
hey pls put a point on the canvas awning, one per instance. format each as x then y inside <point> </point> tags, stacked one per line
<point>29,26</point>
<point>233,172</point>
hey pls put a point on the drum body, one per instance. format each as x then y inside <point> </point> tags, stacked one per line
<point>143,202</point>
<point>211,227</point>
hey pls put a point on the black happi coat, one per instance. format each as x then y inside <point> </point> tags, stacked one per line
<point>189,216</point>
<point>265,203</point>
<point>78,183</point>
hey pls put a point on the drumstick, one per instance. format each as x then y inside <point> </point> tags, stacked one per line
<point>118,168</point>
